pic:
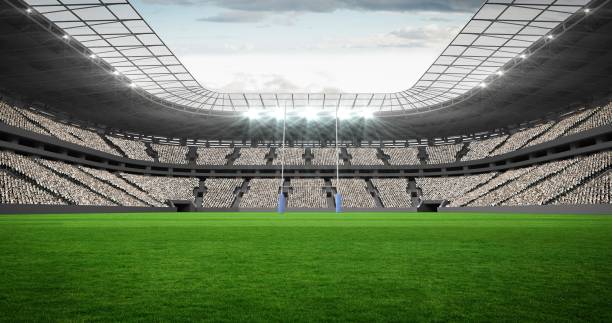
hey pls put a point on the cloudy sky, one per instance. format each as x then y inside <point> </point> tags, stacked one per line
<point>307,45</point>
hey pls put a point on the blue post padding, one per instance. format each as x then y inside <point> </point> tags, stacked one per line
<point>338,203</point>
<point>281,203</point>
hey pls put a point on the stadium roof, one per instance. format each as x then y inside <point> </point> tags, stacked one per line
<point>500,36</point>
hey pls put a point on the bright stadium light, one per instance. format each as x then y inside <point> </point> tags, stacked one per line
<point>551,37</point>
<point>500,73</point>
<point>132,85</point>
<point>587,10</point>
<point>309,113</point>
<point>523,56</point>
<point>29,10</point>
<point>66,37</point>
<point>116,73</point>
<point>483,85</point>
<point>92,56</point>
<point>253,114</point>
<point>345,114</point>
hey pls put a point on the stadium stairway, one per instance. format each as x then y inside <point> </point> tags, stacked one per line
<point>374,192</point>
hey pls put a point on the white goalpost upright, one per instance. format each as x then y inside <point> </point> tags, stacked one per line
<point>338,197</point>
<point>281,196</point>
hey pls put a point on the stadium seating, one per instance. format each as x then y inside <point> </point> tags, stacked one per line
<point>171,154</point>
<point>133,149</point>
<point>213,156</point>
<point>563,126</point>
<point>262,194</point>
<point>363,157</point>
<point>292,156</point>
<point>324,156</point>
<point>598,190</point>
<point>449,188</point>
<point>220,192</point>
<point>164,188</point>
<point>479,149</point>
<point>600,117</point>
<point>252,156</point>
<point>307,193</point>
<point>354,193</point>
<point>442,154</point>
<point>17,190</point>
<point>12,117</point>
<point>403,156</point>
<point>392,192</point>
<point>520,139</point>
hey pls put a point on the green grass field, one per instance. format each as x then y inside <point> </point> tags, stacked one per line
<point>305,267</point>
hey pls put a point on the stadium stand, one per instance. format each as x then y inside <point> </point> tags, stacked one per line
<point>123,185</point>
<point>443,154</point>
<point>51,181</point>
<point>561,127</point>
<point>252,156</point>
<point>171,154</point>
<point>520,139</point>
<point>16,190</point>
<point>521,183</point>
<point>564,180</point>
<point>392,192</point>
<point>293,156</point>
<point>450,188</point>
<point>307,193</point>
<point>262,194</point>
<point>363,157</point>
<point>324,156</point>
<point>598,190</point>
<point>213,156</point>
<point>600,117</point>
<point>164,188</point>
<point>494,183</point>
<point>117,196</point>
<point>133,149</point>
<point>479,149</point>
<point>403,156</point>
<point>354,193</point>
<point>14,118</point>
<point>220,192</point>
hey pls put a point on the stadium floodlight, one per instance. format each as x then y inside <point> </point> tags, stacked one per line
<point>587,10</point>
<point>116,73</point>
<point>309,113</point>
<point>92,56</point>
<point>132,85</point>
<point>29,10</point>
<point>550,37</point>
<point>483,85</point>
<point>500,73</point>
<point>523,56</point>
<point>345,114</point>
<point>253,114</point>
<point>66,36</point>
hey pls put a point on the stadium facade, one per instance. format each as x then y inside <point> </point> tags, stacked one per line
<point>514,114</point>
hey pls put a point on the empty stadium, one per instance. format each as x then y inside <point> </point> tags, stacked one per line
<point>129,191</point>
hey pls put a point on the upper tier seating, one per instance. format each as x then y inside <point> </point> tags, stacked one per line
<point>354,193</point>
<point>392,192</point>
<point>13,117</point>
<point>364,157</point>
<point>262,194</point>
<point>561,127</point>
<point>403,156</point>
<point>479,149</point>
<point>307,193</point>
<point>16,190</point>
<point>51,181</point>
<point>133,149</point>
<point>324,156</point>
<point>252,157</point>
<point>292,156</point>
<point>220,192</point>
<point>443,154</point>
<point>213,156</point>
<point>171,154</point>
<point>520,138</point>
<point>600,117</point>
<point>165,188</point>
